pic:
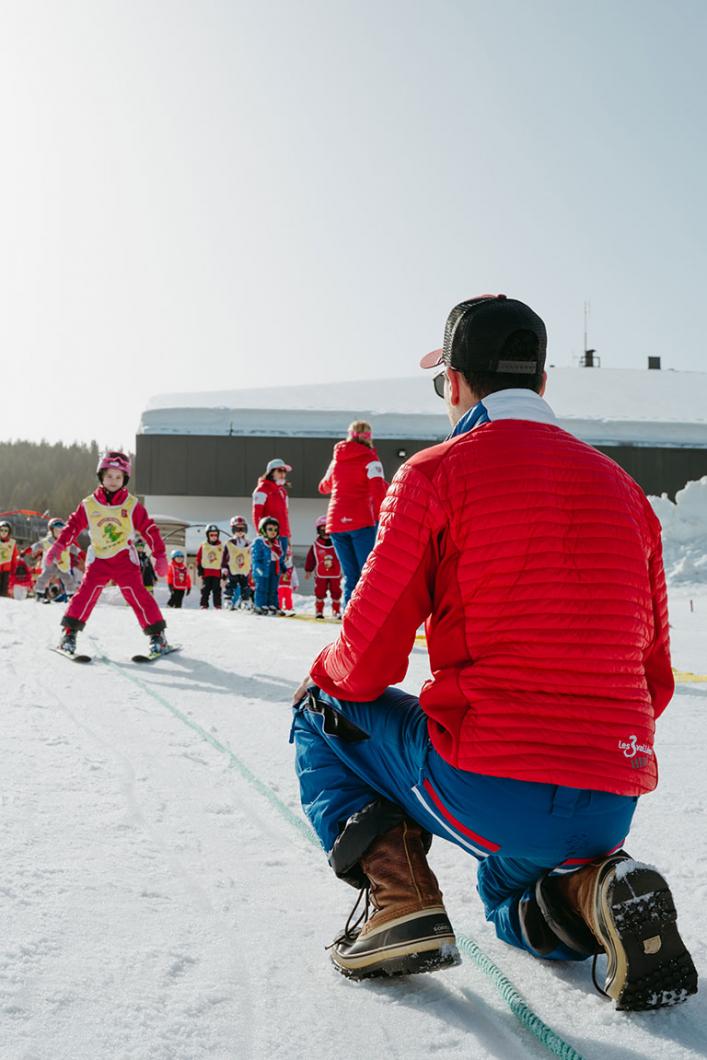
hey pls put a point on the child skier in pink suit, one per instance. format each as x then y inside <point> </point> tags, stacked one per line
<point>113,518</point>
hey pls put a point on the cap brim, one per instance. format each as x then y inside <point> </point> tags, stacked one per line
<point>431,360</point>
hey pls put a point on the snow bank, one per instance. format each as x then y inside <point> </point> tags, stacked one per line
<point>684,525</point>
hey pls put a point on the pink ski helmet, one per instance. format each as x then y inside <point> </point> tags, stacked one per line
<point>113,458</point>
<point>321,521</point>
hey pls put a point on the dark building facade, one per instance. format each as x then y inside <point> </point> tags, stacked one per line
<point>218,466</point>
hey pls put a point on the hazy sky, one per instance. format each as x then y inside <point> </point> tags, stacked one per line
<point>207,194</point>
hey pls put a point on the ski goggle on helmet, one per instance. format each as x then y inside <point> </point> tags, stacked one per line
<point>117,460</point>
<point>5,526</point>
<point>238,523</point>
<point>212,529</point>
<point>56,524</point>
<point>266,521</point>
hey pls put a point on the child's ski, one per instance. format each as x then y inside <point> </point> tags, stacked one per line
<point>73,657</point>
<point>153,655</point>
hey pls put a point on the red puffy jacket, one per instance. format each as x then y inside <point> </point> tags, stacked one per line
<point>271,499</point>
<point>355,481</point>
<point>537,562</point>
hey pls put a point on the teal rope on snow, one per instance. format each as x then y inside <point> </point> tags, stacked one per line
<point>529,1019</point>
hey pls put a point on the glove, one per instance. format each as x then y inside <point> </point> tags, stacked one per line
<point>52,556</point>
<point>188,590</point>
<point>161,566</point>
<point>224,572</point>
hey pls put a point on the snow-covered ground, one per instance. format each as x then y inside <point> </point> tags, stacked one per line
<point>158,903</point>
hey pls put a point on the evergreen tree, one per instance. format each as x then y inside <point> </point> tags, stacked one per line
<point>46,477</point>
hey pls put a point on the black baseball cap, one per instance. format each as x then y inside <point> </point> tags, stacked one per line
<point>492,333</point>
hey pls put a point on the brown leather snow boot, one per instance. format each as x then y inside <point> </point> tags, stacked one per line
<point>409,930</point>
<point>629,910</point>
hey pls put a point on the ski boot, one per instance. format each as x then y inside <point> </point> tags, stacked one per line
<point>68,641</point>
<point>409,930</point>
<point>158,643</point>
<point>628,908</point>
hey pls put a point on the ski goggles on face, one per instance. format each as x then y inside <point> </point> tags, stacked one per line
<point>438,383</point>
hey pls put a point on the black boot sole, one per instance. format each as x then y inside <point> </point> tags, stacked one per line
<point>649,965</point>
<point>407,946</point>
<point>408,964</point>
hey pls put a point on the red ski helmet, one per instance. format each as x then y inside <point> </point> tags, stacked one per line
<point>118,460</point>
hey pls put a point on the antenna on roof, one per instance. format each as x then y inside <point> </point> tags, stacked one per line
<point>589,357</point>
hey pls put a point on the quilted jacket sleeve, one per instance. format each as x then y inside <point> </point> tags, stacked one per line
<point>377,486</point>
<point>659,674</point>
<point>392,598</point>
<point>325,486</point>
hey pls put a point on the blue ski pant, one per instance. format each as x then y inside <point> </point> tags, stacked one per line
<point>266,586</point>
<point>363,767</point>
<point>352,548</point>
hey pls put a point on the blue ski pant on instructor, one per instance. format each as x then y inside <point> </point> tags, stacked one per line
<point>360,764</point>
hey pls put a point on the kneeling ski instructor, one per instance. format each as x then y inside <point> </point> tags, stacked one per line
<point>535,562</point>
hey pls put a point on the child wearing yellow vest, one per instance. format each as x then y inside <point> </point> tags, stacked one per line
<point>8,557</point>
<point>236,564</point>
<point>61,570</point>
<point>113,518</point>
<point>208,567</point>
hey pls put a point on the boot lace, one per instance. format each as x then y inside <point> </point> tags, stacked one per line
<point>353,926</point>
<point>600,989</point>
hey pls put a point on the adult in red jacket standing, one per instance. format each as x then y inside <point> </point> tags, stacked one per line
<point>536,563</point>
<point>357,486</point>
<point>270,500</point>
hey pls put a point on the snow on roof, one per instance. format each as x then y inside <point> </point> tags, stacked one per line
<point>600,405</point>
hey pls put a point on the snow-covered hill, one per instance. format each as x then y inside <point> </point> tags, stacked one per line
<point>161,900</point>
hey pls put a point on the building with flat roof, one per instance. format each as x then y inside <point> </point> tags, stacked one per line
<point>199,455</point>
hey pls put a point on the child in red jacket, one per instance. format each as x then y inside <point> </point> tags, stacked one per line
<point>113,518</point>
<point>323,562</point>
<point>178,578</point>
<point>288,582</point>
<point>22,579</point>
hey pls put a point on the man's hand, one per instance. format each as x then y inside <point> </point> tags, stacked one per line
<point>302,690</point>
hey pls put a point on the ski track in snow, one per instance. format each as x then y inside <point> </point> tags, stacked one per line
<point>156,907</point>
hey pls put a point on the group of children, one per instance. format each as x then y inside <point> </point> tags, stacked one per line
<point>261,575</point>
<point>23,571</point>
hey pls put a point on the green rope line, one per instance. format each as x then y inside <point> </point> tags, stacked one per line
<point>532,1022</point>
<point>256,782</point>
<point>552,1041</point>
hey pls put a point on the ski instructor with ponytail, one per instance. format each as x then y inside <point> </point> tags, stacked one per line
<point>536,563</point>
<point>113,518</point>
<point>357,486</point>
